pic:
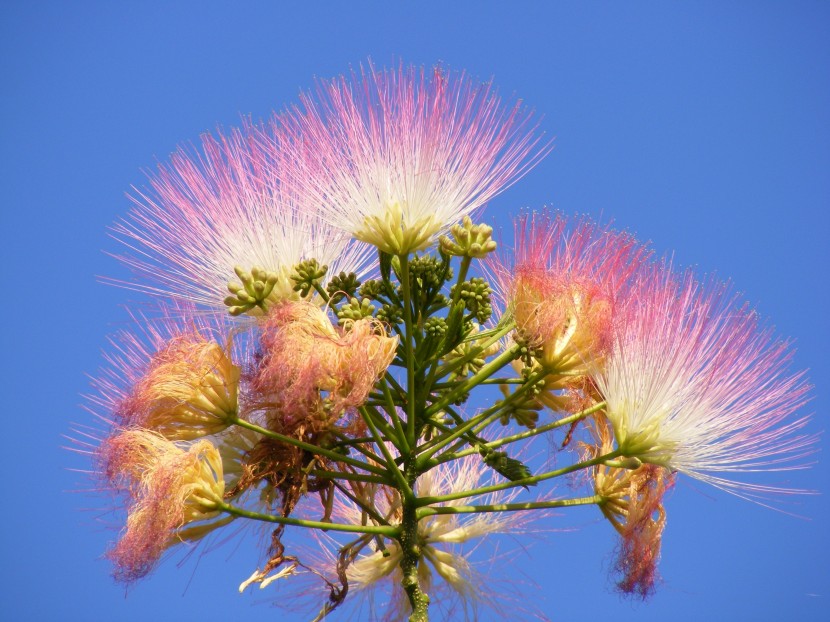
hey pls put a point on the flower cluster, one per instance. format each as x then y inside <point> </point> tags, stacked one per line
<point>331,306</point>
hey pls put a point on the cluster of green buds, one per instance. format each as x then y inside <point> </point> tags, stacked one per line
<point>468,240</point>
<point>252,295</point>
<point>307,275</point>
<point>475,294</point>
<point>355,310</point>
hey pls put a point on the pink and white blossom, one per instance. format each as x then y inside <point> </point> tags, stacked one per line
<point>228,206</point>
<point>173,374</point>
<point>399,155</point>
<point>565,285</point>
<point>695,383</point>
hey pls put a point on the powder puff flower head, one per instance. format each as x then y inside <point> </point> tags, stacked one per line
<point>694,383</point>
<point>349,410</point>
<point>402,154</point>
<point>224,227</point>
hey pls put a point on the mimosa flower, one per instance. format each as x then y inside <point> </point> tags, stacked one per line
<point>695,384</point>
<point>313,372</point>
<point>400,155</point>
<point>565,284</point>
<point>167,488</point>
<point>227,214</point>
<point>190,390</point>
<point>173,379</point>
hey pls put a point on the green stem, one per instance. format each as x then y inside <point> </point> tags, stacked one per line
<point>454,383</point>
<point>405,489</point>
<point>523,435</point>
<point>462,276</point>
<point>485,372</point>
<point>346,475</point>
<point>367,509</point>
<point>359,445</point>
<point>319,289</point>
<point>408,354</point>
<point>314,449</point>
<point>386,430</point>
<point>411,555</point>
<point>526,481</point>
<point>430,448</point>
<point>391,409</point>
<point>508,507</point>
<point>383,530</point>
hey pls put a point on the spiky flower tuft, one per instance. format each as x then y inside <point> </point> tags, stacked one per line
<point>400,154</point>
<point>313,372</point>
<point>225,214</point>
<point>172,377</point>
<point>694,383</point>
<point>565,284</point>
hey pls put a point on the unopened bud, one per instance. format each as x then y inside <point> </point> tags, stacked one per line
<point>469,240</point>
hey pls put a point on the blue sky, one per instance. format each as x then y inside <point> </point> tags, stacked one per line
<point>703,127</point>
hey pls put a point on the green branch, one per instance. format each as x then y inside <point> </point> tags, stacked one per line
<point>508,507</point>
<point>314,449</point>
<point>405,489</point>
<point>526,481</point>
<point>464,387</point>
<point>450,455</point>
<point>383,530</point>
<point>408,353</point>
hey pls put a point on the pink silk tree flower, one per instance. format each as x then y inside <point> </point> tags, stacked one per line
<point>564,285</point>
<point>166,488</point>
<point>695,384</point>
<point>172,377</point>
<point>399,155</point>
<point>633,504</point>
<point>227,214</point>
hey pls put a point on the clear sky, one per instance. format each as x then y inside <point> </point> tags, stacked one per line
<point>703,127</point>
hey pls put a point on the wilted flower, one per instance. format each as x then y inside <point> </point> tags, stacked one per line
<point>166,488</point>
<point>305,356</point>
<point>694,383</point>
<point>225,215</point>
<point>173,379</point>
<point>400,155</point>
<point>633,503</point>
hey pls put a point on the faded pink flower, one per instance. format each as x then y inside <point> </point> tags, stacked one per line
<point>396,156</point>
<point>166,488</point>
<point>633,504</point>
<point>172,377</point>
<point>694,383</point>
<point>312,372</point>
